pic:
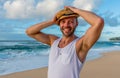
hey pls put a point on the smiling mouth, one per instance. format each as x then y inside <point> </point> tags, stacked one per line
<point>67,29</point>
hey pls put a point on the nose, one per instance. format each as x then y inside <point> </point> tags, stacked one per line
<point>66,24</point>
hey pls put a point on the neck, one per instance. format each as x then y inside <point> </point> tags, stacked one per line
<point>68,39</point>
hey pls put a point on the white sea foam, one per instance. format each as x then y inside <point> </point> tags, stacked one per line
<point>22,64</point>
<point>26,59</point>
<point>117,43</point>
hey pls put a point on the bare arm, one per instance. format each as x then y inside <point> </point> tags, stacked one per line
<point>35,32</point>
<point>92,34</point>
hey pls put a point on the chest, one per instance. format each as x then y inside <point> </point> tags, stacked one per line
<point>62,44</point>
<point>62,55</point>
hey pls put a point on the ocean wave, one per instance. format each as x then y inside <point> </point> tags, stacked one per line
<point>23,47</point>
<point>117,43</point>
<point>28,55</point>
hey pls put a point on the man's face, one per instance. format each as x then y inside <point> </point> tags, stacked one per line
<point>68,26</point>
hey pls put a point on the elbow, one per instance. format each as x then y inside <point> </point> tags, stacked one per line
<point>100,22</point>
<point>28,32</point>
<point>31,33</point>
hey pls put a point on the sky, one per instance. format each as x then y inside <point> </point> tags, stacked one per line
<point>17,15</point>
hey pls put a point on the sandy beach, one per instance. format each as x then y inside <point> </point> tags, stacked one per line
<point>108,66</point>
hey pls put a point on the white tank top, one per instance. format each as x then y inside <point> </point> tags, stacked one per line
<point>64,62</point>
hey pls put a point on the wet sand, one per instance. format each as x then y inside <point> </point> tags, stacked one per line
<point>108,66</point>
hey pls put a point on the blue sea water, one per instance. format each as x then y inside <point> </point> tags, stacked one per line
<point>16,56</point>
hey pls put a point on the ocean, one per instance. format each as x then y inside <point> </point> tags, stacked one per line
<point>17,56</point>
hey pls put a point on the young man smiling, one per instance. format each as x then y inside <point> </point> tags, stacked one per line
<point>68,53</point>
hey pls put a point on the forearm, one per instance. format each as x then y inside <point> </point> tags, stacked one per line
<point>90,17</point>
<point>38,27</point>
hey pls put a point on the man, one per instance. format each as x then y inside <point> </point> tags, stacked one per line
<point>68,53</point>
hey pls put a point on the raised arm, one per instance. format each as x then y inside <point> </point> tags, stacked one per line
<point>92,34</point>
<point>35,32</point>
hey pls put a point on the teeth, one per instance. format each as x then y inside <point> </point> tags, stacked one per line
<point>67,29</point>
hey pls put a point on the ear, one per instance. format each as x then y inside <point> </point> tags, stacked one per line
<point>76,22</point>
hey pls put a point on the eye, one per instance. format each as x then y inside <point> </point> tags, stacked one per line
<point>71,22</point>
<point>62,21</point>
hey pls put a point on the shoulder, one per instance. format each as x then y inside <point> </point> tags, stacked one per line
<point>53,38</point>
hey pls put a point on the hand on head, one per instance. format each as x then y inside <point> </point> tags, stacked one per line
<point>68,11</point>
<point>74,9</point>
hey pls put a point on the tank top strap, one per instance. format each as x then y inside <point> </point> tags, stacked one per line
<point>56,42</point>
<point>74,41</point>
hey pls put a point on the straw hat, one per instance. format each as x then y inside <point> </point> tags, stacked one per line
<point>65,13</point>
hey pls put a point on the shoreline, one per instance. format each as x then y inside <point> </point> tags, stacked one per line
<point>106,66</point>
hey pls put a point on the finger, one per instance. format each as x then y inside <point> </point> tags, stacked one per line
<point>67,7</point>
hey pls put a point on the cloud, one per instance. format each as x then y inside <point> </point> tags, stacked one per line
<point>89,5</point>
<point>86,4</point>
<point>48,8</point>
<point>22,9</point>
<point>111,19</point>
<point>39,9</point>
<point>29,8</point>
<point>18,8</point>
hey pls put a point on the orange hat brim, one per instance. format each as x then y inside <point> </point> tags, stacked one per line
<point>63,17</point>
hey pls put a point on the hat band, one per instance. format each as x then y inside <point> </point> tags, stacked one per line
<point>67,15</point>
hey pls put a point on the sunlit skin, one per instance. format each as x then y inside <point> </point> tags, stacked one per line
<point>68,26</point>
